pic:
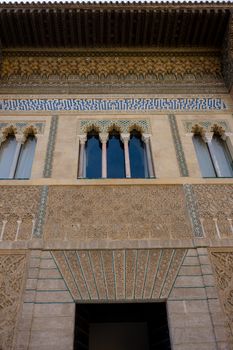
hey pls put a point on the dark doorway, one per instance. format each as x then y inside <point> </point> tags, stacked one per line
<point>121,326</point>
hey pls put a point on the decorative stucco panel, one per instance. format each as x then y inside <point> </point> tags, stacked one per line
<point>136,66</point>
<point>119,274</point>
<point>222,260</point>
<point>116,213</point>
<point>19,207</point>
<point>12,271</point>
<point>215,207</point>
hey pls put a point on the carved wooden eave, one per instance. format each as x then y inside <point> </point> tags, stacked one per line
<point>113,25</point>
<point>89,30</point>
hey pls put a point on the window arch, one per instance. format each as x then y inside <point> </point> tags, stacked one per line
<point>93,156</point>
<point>109,149</point>
<point>137,155</point>
<point>115,156</point>
<point>7,152</point>
<point>213,155</point>
<point>16,156</point>
<point>25,159</point>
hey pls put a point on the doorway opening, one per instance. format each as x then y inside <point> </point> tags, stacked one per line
<point>121,326</point>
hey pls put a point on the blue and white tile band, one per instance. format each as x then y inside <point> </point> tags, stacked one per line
<point>119,104</point>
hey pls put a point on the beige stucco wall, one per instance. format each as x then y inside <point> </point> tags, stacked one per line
<point>124,214</point>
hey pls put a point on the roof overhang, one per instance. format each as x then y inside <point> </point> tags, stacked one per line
<point>80,25</point>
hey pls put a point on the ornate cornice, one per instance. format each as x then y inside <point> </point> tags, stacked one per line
<point>157,66</point>
<point>162,5</point>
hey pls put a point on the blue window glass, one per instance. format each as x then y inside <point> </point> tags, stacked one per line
<point>223,156</point>
<point>137,155</point>
<point>7,152</point>
<point>93,156</point>
<point>204,158</point>
<point>26,156</point>
<point>115,156</point>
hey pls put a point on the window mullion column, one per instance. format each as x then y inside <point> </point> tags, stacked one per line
<point>146,140</point>
<point>20,139</point>
<point>82,141</point>
<point>104,139</point>
<point>125,139</point>
<point>208,138</point>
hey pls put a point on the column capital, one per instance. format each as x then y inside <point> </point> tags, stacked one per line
<point>146,137</point>
<point>125,137</point>
<point>82,139</point>
<point>103,137</point>
<point>207,137</point>
<point>20,138</point>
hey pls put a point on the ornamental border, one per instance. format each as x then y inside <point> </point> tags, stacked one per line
<point>118,104</point>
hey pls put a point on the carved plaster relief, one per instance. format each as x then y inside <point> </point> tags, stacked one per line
<point>108,212</point>
<point>124,126</point>
<point>222,260</point>
<point>12,271</point>
<point>206,125</point>
<point>119,274</point>
<point>19,207</point>
<point>159,67</point>
<point>215,207</point>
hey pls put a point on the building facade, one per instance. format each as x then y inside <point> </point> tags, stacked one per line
<point>116,188</point>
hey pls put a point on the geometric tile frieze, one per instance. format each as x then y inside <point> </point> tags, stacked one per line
<point>87,213</point>
<point>50,147</point>
<point>178,145</point>
<point>116,104</point>
<point>119,274</point>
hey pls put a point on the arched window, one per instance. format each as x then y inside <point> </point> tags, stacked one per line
<point>16,158</point>
<point>25,159</point>
<point>137,155</point>
<point>213,156</point>
<point>223,157</point>
<point>115,156</point>
<point>204,157</point>
<point>7,152</point>
<point>93,156</point>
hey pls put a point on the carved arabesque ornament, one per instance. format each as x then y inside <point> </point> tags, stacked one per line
<point>121,125</point>
<point>12,271</point>
<point>215,208</point>
<point>222,260</point>
<point>202,126</point>
<point>19,208</point>
<point>115,212</point>
<point>21,130</point>
<point>104,66</point>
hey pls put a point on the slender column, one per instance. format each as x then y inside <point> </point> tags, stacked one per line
<point>207,138</point>
<point>104,139</point>
<point>125,139</point>
<point>82,141</point>
<point>228,138</point>
<point>2,138</point>
<point>146,140</point>
<point>20,139</point>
